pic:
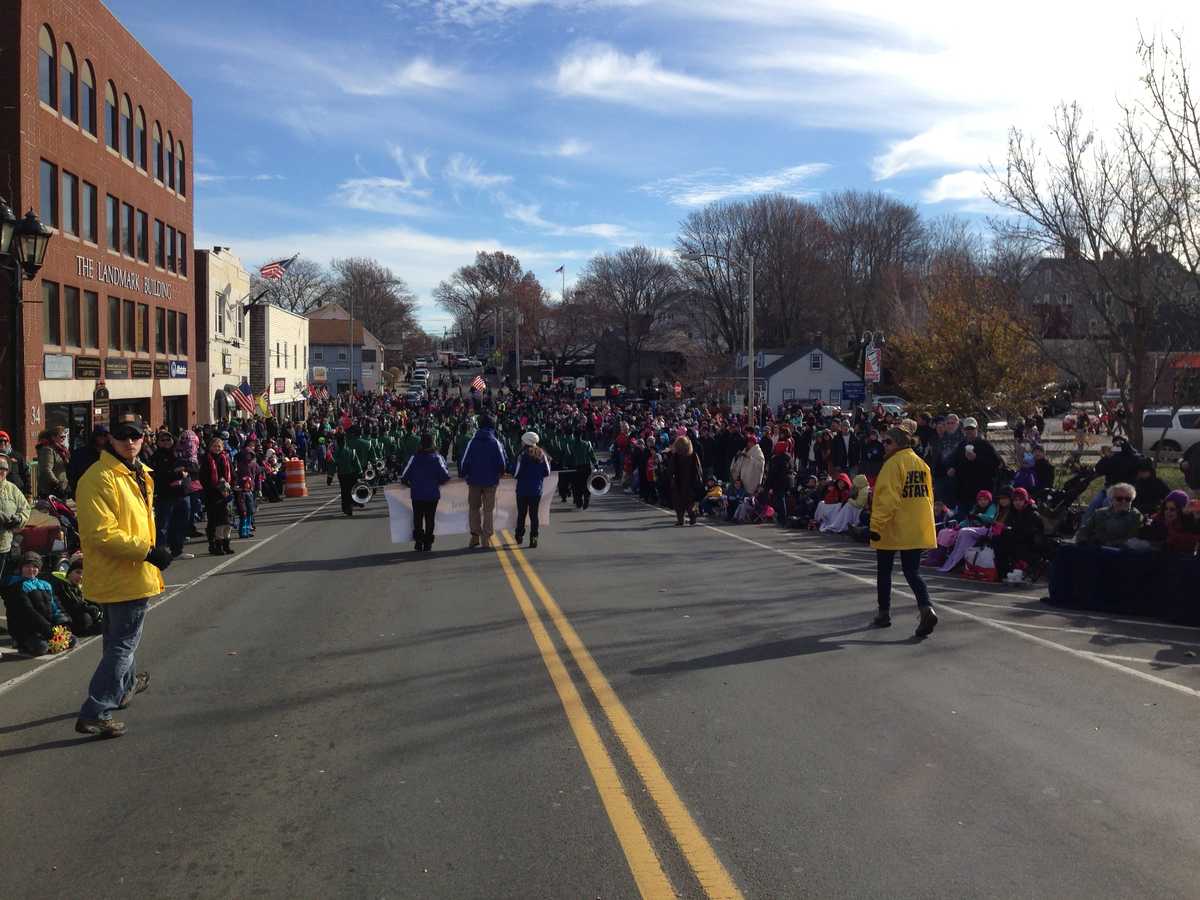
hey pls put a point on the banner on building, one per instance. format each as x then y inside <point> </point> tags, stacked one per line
<point>873,365</point>
<point>452,510</point>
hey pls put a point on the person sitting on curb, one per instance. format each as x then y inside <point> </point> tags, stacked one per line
<point>86,618</point>
<point>31,608</point>
<point>1113,525</point>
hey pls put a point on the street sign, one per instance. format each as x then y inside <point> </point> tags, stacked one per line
<point>873,367</point>
<point>854,391</point>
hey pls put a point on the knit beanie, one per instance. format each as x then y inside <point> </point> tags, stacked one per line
<point>1179,498</point>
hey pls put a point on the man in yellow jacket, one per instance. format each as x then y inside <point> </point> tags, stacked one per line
<point>115,506</point>
<point>902,519</point>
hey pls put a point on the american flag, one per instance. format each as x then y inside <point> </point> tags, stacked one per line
<point>242,400</point>
<point>478,384</point>
<point>274,270</point>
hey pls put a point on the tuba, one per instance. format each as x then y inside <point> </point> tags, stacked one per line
<point>598,484</point>
<point>362,493</point>
<point>369,474</point>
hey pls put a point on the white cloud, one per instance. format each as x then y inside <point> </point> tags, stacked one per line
<point>392,196</point>
<point>462,169</point>
<point>213,178</point>
<point>556,181</point>
<point>711,185</point>
<point>965,185</point>
<point>531,214</point>
<point>413,167</point>
<point>568,149</point>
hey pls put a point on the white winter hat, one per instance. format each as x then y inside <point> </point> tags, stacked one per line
<point>529,438</point>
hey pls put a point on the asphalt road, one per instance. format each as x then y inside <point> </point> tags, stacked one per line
<point>632,709</point>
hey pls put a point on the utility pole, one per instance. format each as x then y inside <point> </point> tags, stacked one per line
<point>750,351</point>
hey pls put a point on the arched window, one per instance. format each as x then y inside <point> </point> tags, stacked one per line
<point>158,155</point>
<point>139,139</point>
<point>170,160</point>
<point>87,98</point>
<point>68,83</point>
<point>47,68</point>
<point>126,127</point>
<point>112,121</point>
<point>181,180</point>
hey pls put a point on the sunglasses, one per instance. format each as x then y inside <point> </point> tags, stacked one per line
<point>127,437</point>
<point>1122,499</point>
<point>887,441</point>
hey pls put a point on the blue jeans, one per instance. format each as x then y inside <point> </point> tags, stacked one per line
<point>910,563</point>
<point>113,678</point>
<point>172,516</point>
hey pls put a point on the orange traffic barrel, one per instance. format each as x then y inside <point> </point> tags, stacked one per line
<point>295,485</point>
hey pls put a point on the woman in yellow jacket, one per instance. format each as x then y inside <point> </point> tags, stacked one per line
<point>902,519</point>
<point>115,504</point>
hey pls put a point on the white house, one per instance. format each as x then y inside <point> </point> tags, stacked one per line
<point>279,367</point>
<point>223,350</point>
<point>808,373</point>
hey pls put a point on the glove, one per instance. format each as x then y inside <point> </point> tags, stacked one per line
<point>875,535</point>
<point>159,557</point>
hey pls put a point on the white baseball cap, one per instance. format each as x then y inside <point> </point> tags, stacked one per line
<point>529,438</point>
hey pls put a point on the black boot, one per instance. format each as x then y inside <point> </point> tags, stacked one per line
<point>226,548</point>
<point>214,549</point>
<point>532,542</point>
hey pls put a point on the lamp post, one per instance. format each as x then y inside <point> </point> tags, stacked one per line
<point>869,341</point>
<point>23,245</point>
<point>748,268</point>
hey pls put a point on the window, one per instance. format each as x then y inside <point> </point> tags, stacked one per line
<point>170,249</point>
<point>1156,420</point>
<point>143,327</point>
<point>139,139</point>
<point>126,127</point>
<point>91,320</point>
<point>112,120</point>
<point>222,310</point>
<point>172,331</point>
<point>181,181</point>
<point>113,222</point>
<point>318,355</point>
<point>47,68</point>
<point>127,226</point>
<point>170,160</point>
<point>1189,420</point>
<point>114,323</point>
<point>68,83</point>
<point>87,210</point>
<point>51,323</point>
<point>815,361</point>
<point>835,396</point>
<point>49,186</point>
<point>129,339</point>
<point>143,237</point>
<point>341,356</point>
<point>277,354</point>
<point>158,154</point>
<point>183,258</point>
<point>286,359</point>
<point>241,320</point>
<point>814,394</point>
<point>87,98</point>
<point>160,250</point>
<point>160,330</point>
<point>369,355</point>
<point>70,203</point>
<point>71,315</point>
<point>183,341</point>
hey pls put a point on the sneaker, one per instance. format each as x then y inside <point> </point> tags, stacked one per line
<point>519,538</point>
<point>141,681</point>
<point>184,555</point>
<point>928,622</point>
<point>474,541</point>
<point>532,543</point>
<point>883,620</point>
<point>107,728</point>
<point>487,542</point>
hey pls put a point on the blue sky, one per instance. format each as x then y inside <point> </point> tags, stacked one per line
<point>421,131</point>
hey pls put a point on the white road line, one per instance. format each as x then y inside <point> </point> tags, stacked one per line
<point>1068,628</point>
<point>54,660</point>
<point>982,620</point>
<point>1144,661</point>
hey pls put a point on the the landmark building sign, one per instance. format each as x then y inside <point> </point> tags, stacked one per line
<point>86,267</point>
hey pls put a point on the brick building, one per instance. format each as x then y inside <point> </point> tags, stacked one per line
<point>96,137</point>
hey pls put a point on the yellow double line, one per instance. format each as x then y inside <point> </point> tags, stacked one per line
<point>643,861</point>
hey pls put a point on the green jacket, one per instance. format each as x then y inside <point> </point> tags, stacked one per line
<point>347,460</point>
<point>364,448</point>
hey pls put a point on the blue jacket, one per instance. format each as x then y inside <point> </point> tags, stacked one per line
<point>424,473</point>
<point>530,475</point>
<point>483,462</point>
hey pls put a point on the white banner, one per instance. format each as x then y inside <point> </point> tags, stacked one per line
<point>453,509</point>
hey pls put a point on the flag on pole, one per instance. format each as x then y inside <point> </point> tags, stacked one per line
<point>560,269</point>
<point>242,400</point>
<point>263,406</point>
<point>478,384</point>
<point>273,271</point>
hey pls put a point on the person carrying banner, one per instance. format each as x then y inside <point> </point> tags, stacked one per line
<point>533,467</point>
<point>482,464</point>
<point>424,475</point>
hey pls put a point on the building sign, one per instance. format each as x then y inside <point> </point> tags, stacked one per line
<point>227,363</point>
<point>58,366</point>
<point>142,368</point>
<point>854,391</point>
<point>87,367</point>
<point>320,374</point>
<point>178,368</point>
<point>161,369</point>
<point>116,368</point>
<point>280,385</point>
<point>105,273</point>
<point>100,404</point>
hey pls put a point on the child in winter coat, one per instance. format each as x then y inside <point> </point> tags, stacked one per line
<point>86,618</point>
<point>219,519</point>
<point>33,613</point>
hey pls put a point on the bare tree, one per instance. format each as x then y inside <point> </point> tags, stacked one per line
<point>305,285</point>
<point>494,285</point>
<point>378,298</point>
<point>634,291</point>
<point>567,331</point>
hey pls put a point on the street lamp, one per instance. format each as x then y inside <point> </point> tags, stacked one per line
<point>868,342</point>
<point>748,268</point>
<point>23,245</point>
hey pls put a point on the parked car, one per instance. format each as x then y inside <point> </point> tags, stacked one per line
<point>1182,429</point>
<point>421,375</point>
<point>891,400</point>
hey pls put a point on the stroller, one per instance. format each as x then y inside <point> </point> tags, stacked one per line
<point>1058,515</point>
